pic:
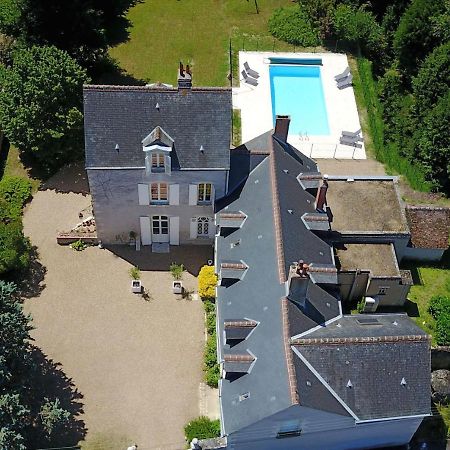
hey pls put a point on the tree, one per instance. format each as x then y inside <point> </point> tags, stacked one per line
<point>80,27</point>
<point>14,246</point>
<point>52,415</point>
<point>415,38</point>
<point>360,27</point>
<point>41,104</point>
<point>433,79</point>
<point>433,144</point>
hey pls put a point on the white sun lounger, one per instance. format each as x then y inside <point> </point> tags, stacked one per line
<point>251,72</point>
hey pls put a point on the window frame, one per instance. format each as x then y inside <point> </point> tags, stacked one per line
<point>202,221</point>
<point>201,198</point>
<point>158,220</point>
<point>159,200</point>
<point>157,162</point>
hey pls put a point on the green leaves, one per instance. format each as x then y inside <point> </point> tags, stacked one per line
<point>41,104</point>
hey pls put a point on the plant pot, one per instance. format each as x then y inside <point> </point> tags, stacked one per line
<point>177,287</point>
<point>136,286</point>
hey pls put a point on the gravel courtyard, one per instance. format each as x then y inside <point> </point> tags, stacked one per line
<point>136,363</point>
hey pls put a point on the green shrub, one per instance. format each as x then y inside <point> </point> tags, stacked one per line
<point>176,270</point>
<point>211,351</point>
<point>202,428</point>
<point>293,25</point>
<point>207,281</point>
<point>359,27</point>
<point>212,376</point>
<point>360,306</point>
<point>15,191</point>
<point>211,324</point>
<point>439,304</point>
<point>210,307</point>
<point>78,246</point>
<point>439,308</point>
<point>135,273</point>
<point>14,246</point>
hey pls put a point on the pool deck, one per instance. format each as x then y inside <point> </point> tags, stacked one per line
<point>256,105</point>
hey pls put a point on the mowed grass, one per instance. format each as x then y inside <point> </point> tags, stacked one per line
<point>197,32</point>
<point>428,282</point>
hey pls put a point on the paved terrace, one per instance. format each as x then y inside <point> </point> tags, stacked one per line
<point>137,364</point>
<point>256,105</point>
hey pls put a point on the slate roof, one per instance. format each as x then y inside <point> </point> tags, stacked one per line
<point>429,226</point>
<point>125,115</point>
<point>272,238</point>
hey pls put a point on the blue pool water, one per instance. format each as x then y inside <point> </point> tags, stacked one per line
<point>297,91</point>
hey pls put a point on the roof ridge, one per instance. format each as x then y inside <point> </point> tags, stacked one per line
<point>114,87</point>
<point>276,213</point>
<point>292,376</point>
<point>361,340</point>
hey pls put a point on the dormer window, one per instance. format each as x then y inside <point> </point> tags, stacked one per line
<point>158,162</point>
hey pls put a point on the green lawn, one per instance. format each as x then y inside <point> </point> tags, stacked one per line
<point>197,32</point>
<point>428,281</point>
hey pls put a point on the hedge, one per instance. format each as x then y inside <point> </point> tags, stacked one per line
<point>207,281</point>
<point>15,191</point>
<point>439,308</point>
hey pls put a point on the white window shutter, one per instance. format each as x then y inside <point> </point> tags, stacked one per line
<point>146,234</point>
<point>212,228</point>
<point>174,232</point>
<point>213,193</point>
<point>193,194</point>
<point>167,164</point>
<point>193,228</point>
<point>174,194</point>
<point>144,194</point>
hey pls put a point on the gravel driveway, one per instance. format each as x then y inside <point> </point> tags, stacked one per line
<point>136,363</point>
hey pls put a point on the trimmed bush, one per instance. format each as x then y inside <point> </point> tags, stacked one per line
<point>207,281</point>
<point>15,191</point>
<point>14,246</point>
<point>293,25</point>
<point>439,308</point>
<point>202,428</point>
<point>211,324</point>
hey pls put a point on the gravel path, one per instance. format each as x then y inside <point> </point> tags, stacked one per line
<point>136,363</point>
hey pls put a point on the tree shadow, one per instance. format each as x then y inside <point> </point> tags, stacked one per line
<point>48,380</point>
<point>69,179</point>
<point>4,151</point>
<point>29,281</point>
<point>192,257</point>
<point>108,71</point>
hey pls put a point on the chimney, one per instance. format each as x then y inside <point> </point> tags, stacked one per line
<point>282,127</point>
<point>184,77</point>
<point>321,197</point>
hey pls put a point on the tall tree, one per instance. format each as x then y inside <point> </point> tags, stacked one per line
<point>41,104</point>
<point>415,38</point>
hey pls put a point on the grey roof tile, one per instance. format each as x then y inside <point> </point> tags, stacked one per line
<point>125,115</point>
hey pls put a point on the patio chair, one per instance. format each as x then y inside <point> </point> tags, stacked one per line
<point>346,82</point>
<point>343,75</point>
<point>251,72</point>
<point>248,79</point>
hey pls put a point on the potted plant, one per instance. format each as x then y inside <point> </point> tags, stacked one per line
<point>132,240</point>
<point>136,285</point>
<point>177,272</point>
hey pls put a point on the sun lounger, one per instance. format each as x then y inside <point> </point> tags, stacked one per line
<point>251,72</point>
<point>346,82</point>
<point>351,133</point>
<point>248,79</point>
<point>343,75</point>
<point>350,141</point>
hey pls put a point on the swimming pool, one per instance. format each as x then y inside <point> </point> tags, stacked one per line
<point>297,91</point>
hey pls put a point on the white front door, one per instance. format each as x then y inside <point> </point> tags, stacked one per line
<point>146,236</point>
<point>160,229</point>
<point>203,226</point>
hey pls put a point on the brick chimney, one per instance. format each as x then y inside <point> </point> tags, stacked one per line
<point>282,127</point>
<point>321,197</point>
<point>184,77</point>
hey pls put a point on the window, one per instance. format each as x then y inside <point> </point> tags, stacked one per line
<point>290,428</point>
<point>160,225</point>
<point>382,290</point>
<point>203,226</point>
<point>204,193</point>
<point>158,162</point>
<point>158,193</point>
